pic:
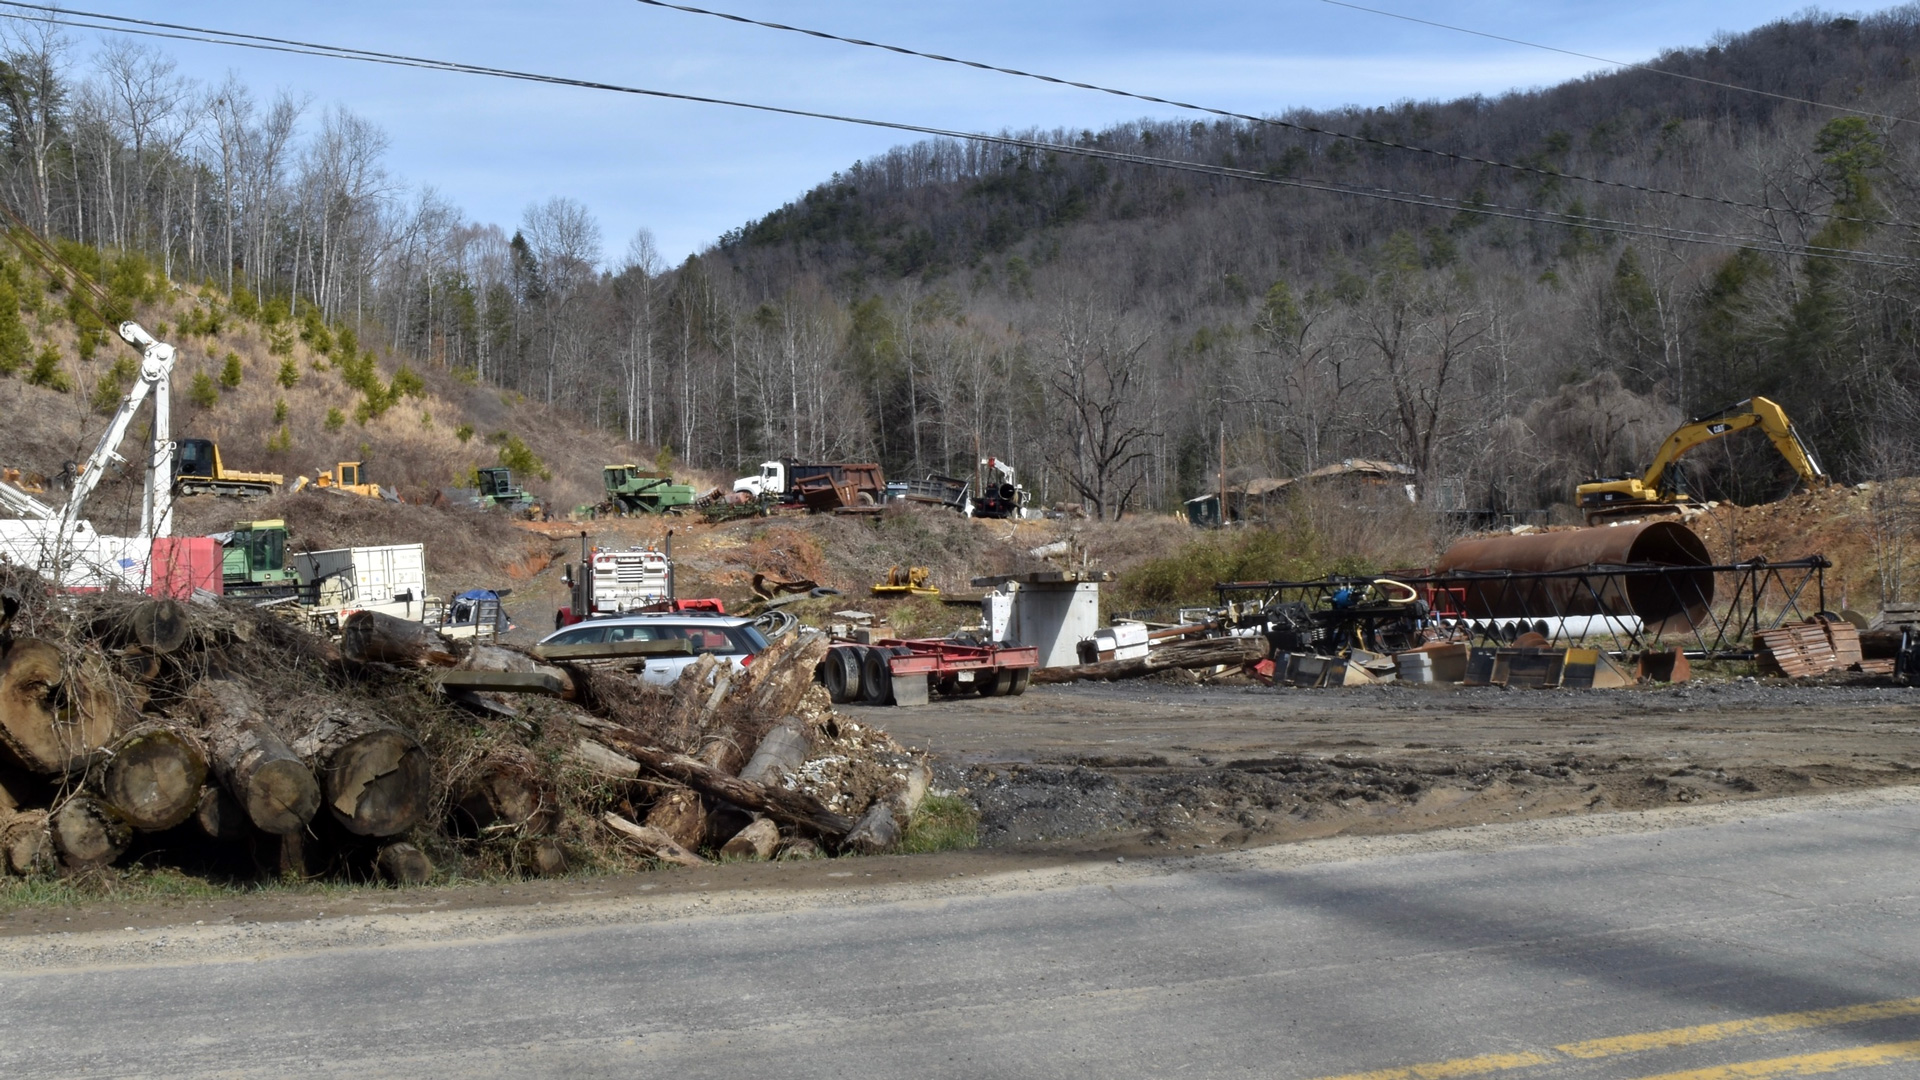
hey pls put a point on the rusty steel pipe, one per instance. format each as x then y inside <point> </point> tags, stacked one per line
<point>1671,601</point>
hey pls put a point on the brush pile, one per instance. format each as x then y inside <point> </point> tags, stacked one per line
<point>220,739</point>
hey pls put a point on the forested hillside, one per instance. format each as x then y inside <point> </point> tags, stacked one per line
<point>1610,256</point>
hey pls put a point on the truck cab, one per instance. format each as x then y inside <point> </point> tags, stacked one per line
<point>772,480</point>
<point>253,560</point>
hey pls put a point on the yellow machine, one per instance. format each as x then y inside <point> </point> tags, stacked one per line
<point>907,581</point>
<point>346,478</point>
<point>1657,491</point>
<point>198,470</point>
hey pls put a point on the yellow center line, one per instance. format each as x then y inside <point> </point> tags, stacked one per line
<point>1763,1025</point>
<point>1831,1061</point>
<point>1809,1064</point>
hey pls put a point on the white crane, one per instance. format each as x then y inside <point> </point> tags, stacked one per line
<point>156,378</point>
<point>61,544</point>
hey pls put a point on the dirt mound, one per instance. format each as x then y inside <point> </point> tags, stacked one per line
<point>1871,532</point>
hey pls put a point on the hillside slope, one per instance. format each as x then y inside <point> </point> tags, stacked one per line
<point>278,394</point>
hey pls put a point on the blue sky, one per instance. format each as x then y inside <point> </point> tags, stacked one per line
<point>690,172</point>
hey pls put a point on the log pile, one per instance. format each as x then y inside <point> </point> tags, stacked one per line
<point>215,737</point>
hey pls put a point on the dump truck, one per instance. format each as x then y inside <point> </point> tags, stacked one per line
<point>818,487</point>
<point>633,490</point>
<point>936,490</point>
<point>199,470</point>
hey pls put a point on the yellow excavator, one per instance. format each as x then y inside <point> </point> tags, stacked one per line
<point>1658,492</point>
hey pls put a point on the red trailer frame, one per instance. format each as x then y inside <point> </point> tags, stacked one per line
<point>883,672</point>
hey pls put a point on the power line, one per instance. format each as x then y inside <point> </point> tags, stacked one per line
<point>1616,63</point>
<point>1370,140</point>
<point>177,32</point>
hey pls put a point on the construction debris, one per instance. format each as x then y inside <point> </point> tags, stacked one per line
<point>218,738</point>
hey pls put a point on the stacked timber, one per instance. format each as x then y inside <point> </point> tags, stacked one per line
<point>216,736</point>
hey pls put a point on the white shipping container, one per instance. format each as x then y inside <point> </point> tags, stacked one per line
<point>366,576</point>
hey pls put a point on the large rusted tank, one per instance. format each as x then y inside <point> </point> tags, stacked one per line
<point>1496,582</point>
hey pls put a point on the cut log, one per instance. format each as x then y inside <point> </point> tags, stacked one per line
<point>1201,653</point>
<point>877,831</point>
<point>603,761</point>
<point>86,833</point>
<point>651,842</point>
<point>485,658</point>
<point>541,856</point>
<point>756,841</point>
<point>219,816</point>
<point>792,807</point>
<point>680,815</point>
<point>160,626</point>
<point>48,724</point>
<point>783,750</point>
<point>373,638</point>
<point>151,776</point>
<point>404,864</point>
<point>784,674</point>
<point>26,845</point>
<point>504,789</point>
<point>269,781</point>
<point>375,778</point>
<point>800,847</point>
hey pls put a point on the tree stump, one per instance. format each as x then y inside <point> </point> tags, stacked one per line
<point>375,777</point>
<point>86,833</point>
<point>151,777</point>
<point>269,781</point>
<point>404,864</point>
<point>48,724</point>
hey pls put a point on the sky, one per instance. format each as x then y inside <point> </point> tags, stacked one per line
<point>690,172</point>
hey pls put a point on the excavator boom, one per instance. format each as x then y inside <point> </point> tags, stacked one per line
<point>1655,490</point>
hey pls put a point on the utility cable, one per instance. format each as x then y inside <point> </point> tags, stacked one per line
<point>1313,129</point>
<point>1618,63</point>
<point>283,45</point>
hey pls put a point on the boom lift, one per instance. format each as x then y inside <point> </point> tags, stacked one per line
<point>1658,491</point>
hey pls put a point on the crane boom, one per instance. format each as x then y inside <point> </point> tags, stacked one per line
<point>156,379</point>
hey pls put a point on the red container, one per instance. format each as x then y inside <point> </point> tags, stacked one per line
<point>182,564</point>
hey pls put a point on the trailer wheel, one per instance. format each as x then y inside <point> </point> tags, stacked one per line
<point>1021,677</point>
<point>876,678</point>
<point>841,674</point>
<point>997,684</point>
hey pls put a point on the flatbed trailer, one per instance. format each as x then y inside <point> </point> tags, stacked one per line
<point>895,671</point>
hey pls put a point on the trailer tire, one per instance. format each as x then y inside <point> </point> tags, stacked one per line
<point>841,674</point>
<point>1021,677</point>
<point>998,683</point>
<point>876,677</point>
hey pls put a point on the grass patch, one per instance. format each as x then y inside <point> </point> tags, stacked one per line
<point>942,823</point>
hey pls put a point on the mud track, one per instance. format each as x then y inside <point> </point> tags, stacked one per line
<point>1146,766</point>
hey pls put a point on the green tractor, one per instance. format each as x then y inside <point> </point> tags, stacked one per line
<point>253,561</point>
<point>633,490</point>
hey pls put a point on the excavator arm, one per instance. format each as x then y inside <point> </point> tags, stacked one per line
<point>1757,411</point>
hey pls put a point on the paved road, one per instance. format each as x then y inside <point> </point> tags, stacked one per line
<point>1786,939</point>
